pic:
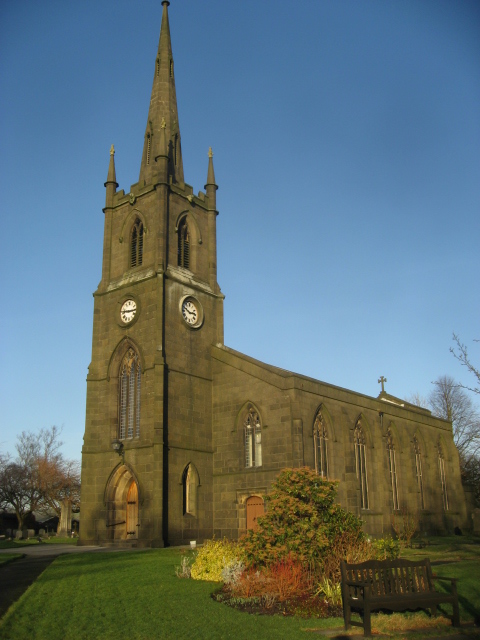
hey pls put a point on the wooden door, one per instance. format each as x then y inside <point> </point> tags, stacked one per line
<point>132,512</point>
<point>255,509</point>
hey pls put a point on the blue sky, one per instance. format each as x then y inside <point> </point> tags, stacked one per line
<point>346,137</point>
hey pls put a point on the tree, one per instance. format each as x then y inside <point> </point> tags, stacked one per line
<point>40,478</point>
<point>302,519</point>
<point>461,354</point>
<point>450,401</point>
<point>16,491</point>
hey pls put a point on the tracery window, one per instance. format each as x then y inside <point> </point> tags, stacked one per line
<point>190,481</point>
<point>418,471</point>
<point>253,439</point>
<point>443,477</point>
<point>136,244</point>
<point>361,464</point>
<point>183,245</point>
<point>129,396</point>
<point>392,467</point>
<point>320,440</point>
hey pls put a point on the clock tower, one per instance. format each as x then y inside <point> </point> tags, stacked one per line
<point>147,458</point>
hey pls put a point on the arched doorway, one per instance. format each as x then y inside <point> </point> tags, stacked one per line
<point>255,509</point>
<point>122,502</point>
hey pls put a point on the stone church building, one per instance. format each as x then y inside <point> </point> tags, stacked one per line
<point>184,435</point>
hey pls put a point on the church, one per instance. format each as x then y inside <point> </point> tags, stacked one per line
<point>184,436</point>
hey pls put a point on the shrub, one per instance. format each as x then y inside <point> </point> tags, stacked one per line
<point>386,548</point>
<point>302,519</point>
<point>346,546</point>
<point>287,578</point>
<point>405,526</point>
<point>212,559</point>
<point>184,570</point>
<point>331,591</point>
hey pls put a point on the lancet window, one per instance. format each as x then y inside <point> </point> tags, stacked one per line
<point>190,482</point>
<point>443,477</point>
<point>253,439</point>
<point>129,396</point>
<point>419,471</point>
<point>183,245</point>
<point>392,467</point>
<point>361,464</point>
<point>320,443</point>
<point>136,244</point>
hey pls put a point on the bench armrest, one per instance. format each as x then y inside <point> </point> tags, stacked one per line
<point>453,580</point>
<point>351,583</point>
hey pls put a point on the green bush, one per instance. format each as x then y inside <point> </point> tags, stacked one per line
<point>386,548</point>
<point>213,558</point>
<point>302,518</point>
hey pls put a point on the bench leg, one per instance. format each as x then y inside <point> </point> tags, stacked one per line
<point>434,610</point>
<point>456,615</point>
<point>367,623</point>
<point>347,614</point>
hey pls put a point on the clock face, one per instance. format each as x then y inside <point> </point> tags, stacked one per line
<point>128,311</point>
<point>190,312</point>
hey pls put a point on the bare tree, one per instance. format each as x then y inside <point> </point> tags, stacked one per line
<point>449,401</point>
<point>16,491</point>
<point>40,479</point>
<point>461,354</point>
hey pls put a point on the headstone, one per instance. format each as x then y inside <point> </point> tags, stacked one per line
<point>41,532</point>
<point>18,534</point>
<point>30,533</point>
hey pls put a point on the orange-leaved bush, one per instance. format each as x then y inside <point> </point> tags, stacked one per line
<point>302,519</point>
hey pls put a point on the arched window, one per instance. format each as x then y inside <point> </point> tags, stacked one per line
<point>392,467</point>
<point>190,482</point>
<point>443,477</point>
<point>361,464</point>
<point>253,439</point>
<point>183,245</point>
<point>129,396</point>
<point>136,244</point>
<point>320,440</point>
<point>418,471</point>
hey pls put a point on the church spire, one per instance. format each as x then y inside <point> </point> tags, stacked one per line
<point>111,183</point>
<point>163,106</point>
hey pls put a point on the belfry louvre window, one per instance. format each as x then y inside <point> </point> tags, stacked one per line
<point>253,439</point>
<point>320,440</point>
<point>418,471</point>
<point>361,464</point>
<point>392,467</point>
<point>136,244</point>
<point>183,245</point>
<point>129,396</point>
<point>443,477</point>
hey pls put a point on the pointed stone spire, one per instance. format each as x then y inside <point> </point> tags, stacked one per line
<point>163,106</point>
<point>211,187</point>
<point>111,183</point>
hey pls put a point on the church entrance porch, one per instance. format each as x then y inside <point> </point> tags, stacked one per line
<point>122,506</point>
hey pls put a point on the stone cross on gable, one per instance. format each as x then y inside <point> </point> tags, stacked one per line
<point>382,381</point>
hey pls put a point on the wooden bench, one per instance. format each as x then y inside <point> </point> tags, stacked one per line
<point>396,585</point>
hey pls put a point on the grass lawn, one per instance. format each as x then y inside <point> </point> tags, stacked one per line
<point>15,544</point>
<point>137,595</point>
<point>9,557</point>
